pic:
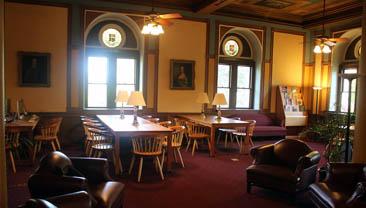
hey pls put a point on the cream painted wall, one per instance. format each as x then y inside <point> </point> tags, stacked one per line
<point>287,62</point>
<point>185,40</point>
<point>36,28</point>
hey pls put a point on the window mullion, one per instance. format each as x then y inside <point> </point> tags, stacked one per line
<point>111,82</point>
<point>233,86</point>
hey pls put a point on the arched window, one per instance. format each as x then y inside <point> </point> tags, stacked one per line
<point>349,66</point>
<point>112,63</point>
<point>235,75</point>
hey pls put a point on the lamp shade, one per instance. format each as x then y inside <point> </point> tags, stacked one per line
<point>136,98</point>
<point>202,98</point>
<point>122,96</point>
<point>219,99</point>
<point>326,49</point>
<point>317,49</point>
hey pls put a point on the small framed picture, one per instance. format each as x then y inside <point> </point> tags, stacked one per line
<point>182,74</point>
<point>34,69</point>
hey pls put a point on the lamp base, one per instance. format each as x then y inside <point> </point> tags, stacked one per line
<point>135,121</point>
<point>218,115</point>
<point>203,115</point>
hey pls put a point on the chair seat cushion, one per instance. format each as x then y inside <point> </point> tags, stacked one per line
<point>198,136</point>
<point>269,131</point>
<point>108,194</point>
<point>271,172</point>
<point>228,130</point>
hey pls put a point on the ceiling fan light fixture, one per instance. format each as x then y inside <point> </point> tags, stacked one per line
<point>326,49</point>
<point>152,28</point>
<point>317,49</point>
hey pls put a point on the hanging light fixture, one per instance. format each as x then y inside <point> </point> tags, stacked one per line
<point>321,45</point>
<point>152,28</point>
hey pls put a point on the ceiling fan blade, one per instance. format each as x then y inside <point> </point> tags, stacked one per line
<point>170,16</point>
<point>164,22</point>
<point>329,43</point>
<point>338,39</point>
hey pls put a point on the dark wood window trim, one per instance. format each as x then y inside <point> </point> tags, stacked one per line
<point>342,67</point>
<point>234,63</point>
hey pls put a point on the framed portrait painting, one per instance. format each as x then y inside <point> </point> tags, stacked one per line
<point>182,74</point>
<point>34,69</point>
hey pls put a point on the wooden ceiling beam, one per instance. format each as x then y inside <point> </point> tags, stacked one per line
<point>210,6</point>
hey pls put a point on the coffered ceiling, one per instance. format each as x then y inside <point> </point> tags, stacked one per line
<point>299,12</point>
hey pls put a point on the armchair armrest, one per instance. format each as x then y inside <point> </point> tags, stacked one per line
<point>46,185</point>
<point>94,169</point>
<point>307,161</point>
<point>358,193</point>
<point>262,154</point>
<point>80,198</point>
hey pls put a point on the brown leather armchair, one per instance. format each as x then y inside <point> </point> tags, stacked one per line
<point>80,199</point>
<point>57,175</point>
<point>342,185</point>
<point>289,165</point>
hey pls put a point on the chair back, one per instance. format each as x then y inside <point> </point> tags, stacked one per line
<point>178,134</point>
<point>194,128</point>
<point>250,129</point>
<point>12,136</point>
<point>51,127</point>
<point>147,145</point>
<point>288,151</point>
<point>165,123</point>
<point>100,136</point>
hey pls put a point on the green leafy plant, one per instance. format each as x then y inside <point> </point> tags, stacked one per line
<point>329,128</point>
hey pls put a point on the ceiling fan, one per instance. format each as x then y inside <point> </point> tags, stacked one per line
<point>323,42</point>
<point>154,21</point>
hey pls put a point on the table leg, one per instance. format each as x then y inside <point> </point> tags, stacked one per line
<point>212,142</point>
<point>169,154</point>
<point>118,167</point>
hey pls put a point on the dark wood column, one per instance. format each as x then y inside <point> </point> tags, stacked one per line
<point>3,184</point>
<point>359,144</point>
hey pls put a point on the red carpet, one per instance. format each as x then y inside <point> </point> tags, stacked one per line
<point>204,182</point>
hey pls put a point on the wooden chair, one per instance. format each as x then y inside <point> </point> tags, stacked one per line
<point>48,133</point>
<point>102,145</point>
<point>177,138</point>
<point>228,133</point>
<point>89,140</point>
<point>165,123</point>
<point>12,144</point>
<point>197,132</point>
<point>146,147</point>
<point>244,135</point>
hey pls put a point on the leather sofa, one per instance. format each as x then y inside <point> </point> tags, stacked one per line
<point>265,126</point>
<point>80,198</point>
<point>289,166</point>
<point>57,175</point>
<point>341,185</point>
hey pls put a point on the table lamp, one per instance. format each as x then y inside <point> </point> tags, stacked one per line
<point>136,99</point>
<point>122,97</point>
<point>219,100</point>
<point>202,98</point>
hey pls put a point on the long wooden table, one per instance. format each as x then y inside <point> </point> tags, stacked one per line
<point>122,128</point>
<point>213,123</point>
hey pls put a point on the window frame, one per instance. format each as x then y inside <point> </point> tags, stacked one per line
<point>112,55</point>
<point>340,83</point>
<point>234,63</point>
